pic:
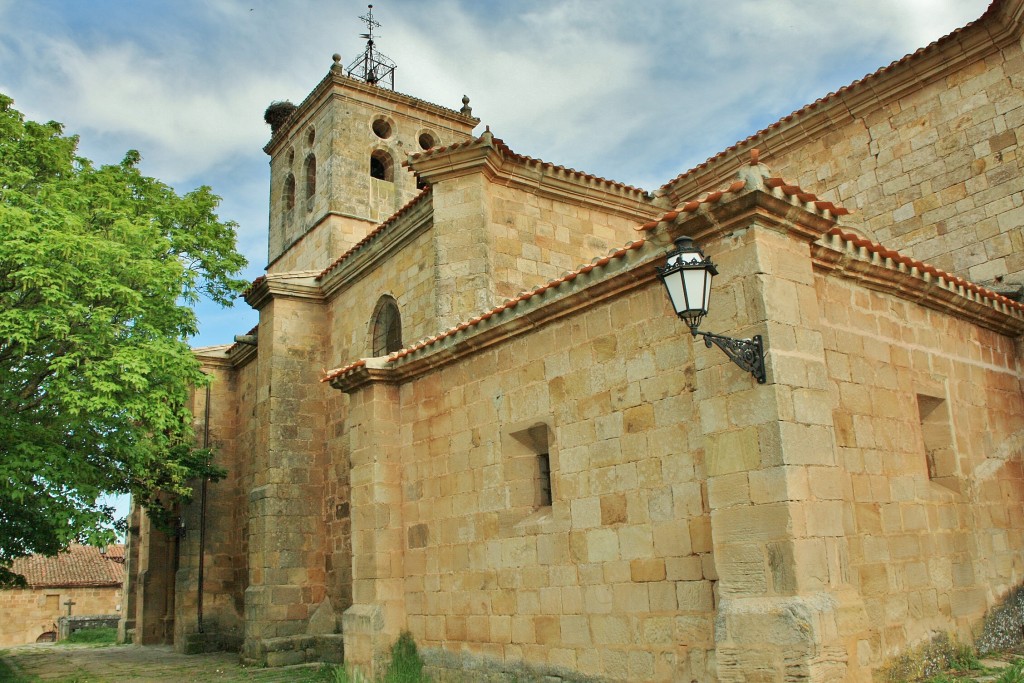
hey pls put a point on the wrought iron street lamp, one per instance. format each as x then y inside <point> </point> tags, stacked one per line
<point>687,276</point>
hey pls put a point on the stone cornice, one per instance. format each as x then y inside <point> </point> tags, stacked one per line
<point>242,354</point>
<point>601,282</point>
<point>335,80</point>
<point>760,207</point>
<point>837,254</point>
<point>215,356</point>
<point>284,285</point>
<point>499,165</point>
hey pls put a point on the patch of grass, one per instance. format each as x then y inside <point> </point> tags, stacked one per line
<point>8,675</point>
<point>947,678</point>
<point>406,666</point>
<point>940,660</point>
<point>1014,674</point>
<point>341,674</point>
<point>103,635</point>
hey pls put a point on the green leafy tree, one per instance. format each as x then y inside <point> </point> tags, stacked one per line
<point>99,269</point>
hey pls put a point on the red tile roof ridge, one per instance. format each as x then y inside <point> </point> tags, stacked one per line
<point>855,85</point>
<point>253,285</point>
<point>487,315</point>
<point>370,236</point>
<point>488,139</point>
<point>435,151</point>
<point>79,565</point>
<point>751,176</point>
<point>913,264</point>
<point>500,144</point>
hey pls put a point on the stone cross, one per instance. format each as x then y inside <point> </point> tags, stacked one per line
<point>69,602</point>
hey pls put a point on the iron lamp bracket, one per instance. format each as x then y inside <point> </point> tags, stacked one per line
<point>746,353</point>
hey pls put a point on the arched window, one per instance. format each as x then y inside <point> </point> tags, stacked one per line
<point>387,327</point>
<point>289,192</point>
<point>382,166</point>
<point>310,176</point>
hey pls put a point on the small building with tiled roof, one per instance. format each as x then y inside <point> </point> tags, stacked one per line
<point>470,412</point>
<point>82,581</point>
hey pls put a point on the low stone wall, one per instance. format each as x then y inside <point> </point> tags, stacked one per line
<point>68,625</point>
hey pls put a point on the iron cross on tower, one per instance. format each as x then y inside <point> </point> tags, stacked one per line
<point>372,66</point>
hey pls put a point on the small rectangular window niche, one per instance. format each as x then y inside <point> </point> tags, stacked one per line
<point>527,456</point>
<point>937,435</point>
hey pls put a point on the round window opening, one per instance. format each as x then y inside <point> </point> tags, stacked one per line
<point>427,141</point>
<point>382,129</point>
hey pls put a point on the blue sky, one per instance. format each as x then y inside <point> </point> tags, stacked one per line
<point>635,92</point>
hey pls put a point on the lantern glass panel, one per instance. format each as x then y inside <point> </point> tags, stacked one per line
<point>696,286</point>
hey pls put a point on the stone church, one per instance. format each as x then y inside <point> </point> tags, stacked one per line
<point>470,412</point>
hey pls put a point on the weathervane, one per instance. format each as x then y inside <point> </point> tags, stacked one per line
<point>372,66</point>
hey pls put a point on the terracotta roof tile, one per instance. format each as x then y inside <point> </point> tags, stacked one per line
<point>81,565</point>
<point>509,304</point>
<point>760,175</point>
<point>487,138</point>
<point>773,184</point>
<point>253,285</point>
<point>896,257</point>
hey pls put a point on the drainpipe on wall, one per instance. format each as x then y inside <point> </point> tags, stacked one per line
<point>202,516</point>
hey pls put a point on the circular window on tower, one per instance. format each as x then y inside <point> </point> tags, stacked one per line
<point>382,128</point>
<point>427,140</point>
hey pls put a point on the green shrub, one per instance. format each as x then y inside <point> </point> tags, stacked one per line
<point>406,666</point>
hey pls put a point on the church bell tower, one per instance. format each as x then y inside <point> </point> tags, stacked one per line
<point>336,159</point>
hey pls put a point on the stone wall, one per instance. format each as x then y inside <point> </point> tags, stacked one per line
<point>535,238</point>
<point>615,577</point>
<point>408,276</point>
<point>929,422</point>
<point>219,531</point>
<point>30,612</point>
<point>935,173</point>
<point>68,625</point>
<point>698,525</point>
